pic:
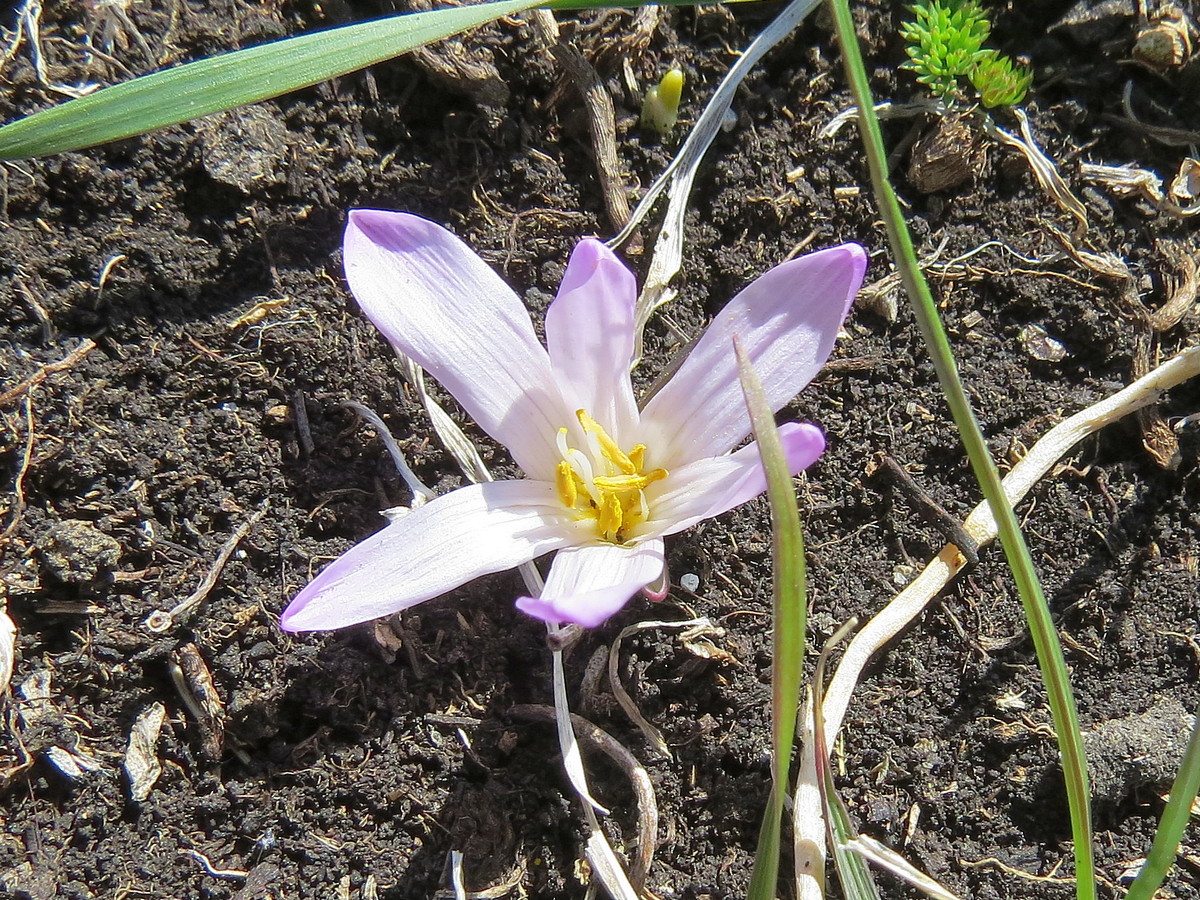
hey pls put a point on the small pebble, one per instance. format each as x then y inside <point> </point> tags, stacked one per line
<point>75,551</point>
<point>689,582</point>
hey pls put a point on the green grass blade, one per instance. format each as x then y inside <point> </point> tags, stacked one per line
<point>1037,612</point>
<point>854,874</point>
<point>1174,820</point>
<point>790,592</point>
<point>257,73</point>
<point>235,79</point>
<point>765,876</point>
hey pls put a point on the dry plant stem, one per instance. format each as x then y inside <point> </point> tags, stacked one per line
<point>677,178</point>
<point>303,429</point>
<point>456,875</point>
<point>420,493</point>
<point>884,857</point>
<point>647,807</point>
<point>652,734</point>
<point>605,865</point>
<point>46,371</point>
<point>600,115</point>
<point>812,834</point>
<point>214,872</point>
<point>194,684</point>
<point>496,891</point>
<point>451,436</point>
<point>1042,166</point>
<point>160,620</point>
<point>1183,287</point>
<point>980,524</point>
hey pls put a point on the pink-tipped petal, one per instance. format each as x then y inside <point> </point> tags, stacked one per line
<point>787,321</point>
<point>473,531</point>
<point>589,333</point>
<point>439,303</point>
<point>588,584</point>
<point>709,487</point>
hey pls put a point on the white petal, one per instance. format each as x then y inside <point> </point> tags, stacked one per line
<point>787,321</point>
<point>439,303</point>
<point>589,333</point>
<point>588,584</point>
<point>709,487</point>
<point>473,531</point>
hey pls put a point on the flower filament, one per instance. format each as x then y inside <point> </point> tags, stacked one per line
<point>602,482</point>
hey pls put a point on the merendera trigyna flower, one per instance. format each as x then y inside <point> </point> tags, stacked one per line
<point>605,481</point>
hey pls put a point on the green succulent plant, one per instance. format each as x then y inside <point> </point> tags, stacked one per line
<point>945,46</point>
<point>999,81</point>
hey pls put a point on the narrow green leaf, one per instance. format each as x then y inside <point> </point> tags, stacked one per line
<point>790,592</point>
<point>1037,610</point>
<point>235,79</point>
<point>1174,820</point>
<point>853,873</point>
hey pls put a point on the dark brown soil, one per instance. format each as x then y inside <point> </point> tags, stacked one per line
<point>350,767</point>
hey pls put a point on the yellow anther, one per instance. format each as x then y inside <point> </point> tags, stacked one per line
<point>603,483</point>
<point>564,482</point>
<point>623,483</point>
<point>608,446</point>
<point>611,516</point>
<point>637,456</point>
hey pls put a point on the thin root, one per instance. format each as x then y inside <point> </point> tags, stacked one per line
<point>643,790</point>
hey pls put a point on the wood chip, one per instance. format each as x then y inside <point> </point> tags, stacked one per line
<point>8,648</point>
<point>142,766</point>
<point>196,688</point>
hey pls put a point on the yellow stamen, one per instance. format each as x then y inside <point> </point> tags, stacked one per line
<point>621,483</point>
<point>564,481</point>
<point>637,456</point>
<point>608,447</point>
<point>611,516</point>
<point>602,483</point>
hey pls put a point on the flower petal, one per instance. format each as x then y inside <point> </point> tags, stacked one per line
<point>589,333</point>
<point>439,303</point>
<point>709,487</point>
<point>787,321</point>
<point>588,584</point>
<point>473,531</point>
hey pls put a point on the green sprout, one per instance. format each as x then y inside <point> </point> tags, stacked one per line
<point>945,45</point>
<point>660,108</point>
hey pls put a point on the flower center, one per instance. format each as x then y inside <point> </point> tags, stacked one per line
<point>602,482</point>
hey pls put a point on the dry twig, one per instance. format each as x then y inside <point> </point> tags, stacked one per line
<point>599,107</point>
<point>160,620</point>
<point>49,369</point>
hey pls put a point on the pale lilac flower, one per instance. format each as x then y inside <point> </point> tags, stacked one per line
<point>605,481</point>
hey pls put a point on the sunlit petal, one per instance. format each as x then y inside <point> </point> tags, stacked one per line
<point>452,539</point>
<point>709,487</point>
<point>589,334</point>
<point>439,303</point>
<point>787,321</point>
<point>588,584</point>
